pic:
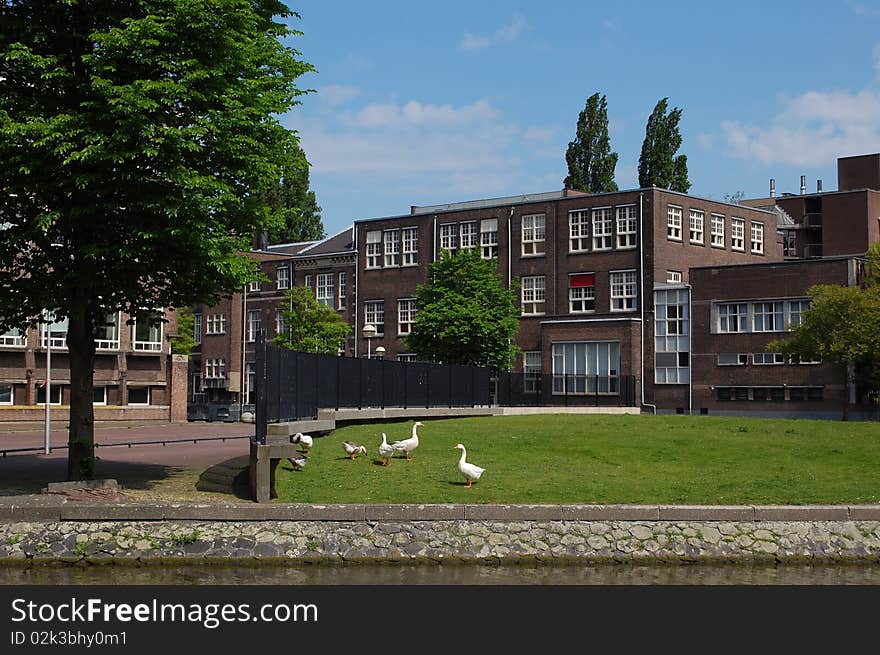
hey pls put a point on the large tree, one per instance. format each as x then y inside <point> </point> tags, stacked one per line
<point>590,160</point>
<point>136,139</point>
<point>310,327</point>
<point>465,314</point>
<point>659,166</point>
<point>296,205</point>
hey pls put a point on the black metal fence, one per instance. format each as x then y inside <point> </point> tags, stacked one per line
<point>545,389</point>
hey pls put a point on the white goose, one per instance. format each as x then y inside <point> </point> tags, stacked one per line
<point>305,441</point>
<point>353,448</point>
<point>470,471</point>
<point>406,446</point>
<point>385,450</point>
<point>298,460</point>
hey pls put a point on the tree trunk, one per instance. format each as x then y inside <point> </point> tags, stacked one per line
<point>81,436</point>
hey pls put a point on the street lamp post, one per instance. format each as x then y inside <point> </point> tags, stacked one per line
<point>369,332</point>
<point>48,427</point>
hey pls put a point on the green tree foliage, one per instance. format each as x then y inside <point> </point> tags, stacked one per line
<point>185,340</point>
<point>297,209</point>
<point>465,314</point>
<point>136,137</point>
<point>658,164</point>
<point>842,326</point>
<point>590,160</point>
<point>310,327</point>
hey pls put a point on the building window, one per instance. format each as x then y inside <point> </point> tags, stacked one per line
<point>531,371</point>
<point>6,395</point>
<point>99,395</point>
<point>250,382</point>
<point>392,247</point>
<point>796,309</point>
<point>307,282</point>
<point>789,243</point>
<point>623,291</point>
<point>448,237</point>
<point>579,231</point>
<point>533,235</point>
<point>717,231</point>
<point>533,295</point>
<point>467,235</point>
<point>581,293</point>
<point>732,359</point>
<point>410,246</point>
<point>341,299</point>
<point>374,314</point>
<point>280,323</point>
<point>148,333</point>
<point>282,278</point>
<point>197,328</point>
<point>733,317</point>
<point>54,333</point>
<point>767,359</point>
<point>586,367</point>
<point>406,357</point>
<point>627,225</point>
<point>54,395</point>
<point>757,238</point>
<point>139,395</point>
<point>374,249</point>
<point>696,226</point>
<point>673,223</point>
<point>673,277</point>
<point>13,337</point>
<point>671,329</point>
<point>489,238</point>
<point>215,368</point>
<point>325,289</point>
<point>603,227</point>
<point>215,324</point>
<point>108,333</point>
<point>406,315</point>
<point>737,234</point>
<point>254,286</point>
<point>253,325</point>
<point>767,317</point>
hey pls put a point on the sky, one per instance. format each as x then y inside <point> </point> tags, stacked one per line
<point>420,103</point>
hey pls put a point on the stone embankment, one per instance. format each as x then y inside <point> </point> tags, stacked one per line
<point>467,533</point>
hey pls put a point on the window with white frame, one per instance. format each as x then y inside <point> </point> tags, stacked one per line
<point>54,395</point>
<point>696,221</point>
<point>138,395</point>
<point>467,235</point>
<point>250,383</point>
<point>671,341</point>
<point>280,323</point>
<point>282,279</point>
<point>733,359</point>
<point>757,237</point>
<point>54,332</point>
<point>768,359</point>
<point>215,324</point>
<point>148,333</point>
<point>406,315</point>
<point>197,328</point>
<point>307,282</point>
<point>732,317</point>
<point>406,357</point>
<point>673,223</point>
<point>392,247</point>
<point>340,304</point>
<point>579,230</point>
<point>449,237</point>
<point>673,277</point>
<point>627,225</point>
<point>767,317</point>
<point>796,309</point>
<point>325,294</point>
<point>107,337</point>
<point>374,249</point>
<point>586,367</point>
<point>253,325</point>
<point>533,295</point>
<point>789,243</point>
<point>410,236</point>
<point>489,238</point>
<point>374,314</point>
<point>99,395</point>
<point>215,368</point>
<point>533,234</point>
<point>737,234</point>
<point>717,231</point>
<point>531,371</point>
<point>581,293</point>
<point>13,337</point>
<point>603,229</point>
<point>6,395</point>
<point>254,286</point>
<point>623,291</point>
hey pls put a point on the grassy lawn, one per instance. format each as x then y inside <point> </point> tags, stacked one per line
<point>600,459</point>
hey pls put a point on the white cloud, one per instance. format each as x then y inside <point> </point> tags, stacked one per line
<point>338,94</point>
<point>706,139</point>
<point>416,114</point>
<point>505,34</point>
<point>812,129</point>
<point>538,133</point>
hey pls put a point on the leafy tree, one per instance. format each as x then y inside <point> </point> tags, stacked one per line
<point>658,164</point>
<point>465,314</point>
<point>290,198</point>
<point>590,160</point>
<point>185,340</point>
<point>842,326</point>
<point>310,327</point>
<point>135,139</point>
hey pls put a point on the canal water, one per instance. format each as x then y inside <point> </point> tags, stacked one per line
<point>445,574</point>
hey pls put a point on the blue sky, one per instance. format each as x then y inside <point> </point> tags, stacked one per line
<point>424,103</point>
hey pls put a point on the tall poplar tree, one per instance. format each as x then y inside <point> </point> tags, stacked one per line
<point>296,206</point>
<point>136,139</point>
<point>658,164</point>
<point>590,160</point>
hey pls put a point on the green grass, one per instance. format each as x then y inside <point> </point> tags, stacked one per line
<point>600,459</point>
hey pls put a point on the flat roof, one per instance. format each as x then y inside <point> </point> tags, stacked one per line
<point>786,262</point>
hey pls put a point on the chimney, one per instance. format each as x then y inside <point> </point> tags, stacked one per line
<point>772,188</point>
<point>818,186</point>
<point>803,184</point>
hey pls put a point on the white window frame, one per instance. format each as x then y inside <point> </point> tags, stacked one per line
<point>149,396</point>
<point>215,324</point>
<point>215,368</point>
<point>737,312</point>
<point>102,402</point>
<point>621,283</point>
<point>627,227</point>
<point>340,300</point>
<point>532,369</point>
<point>197,328</point>
<point>533,295</point>
<point>406,357</point>
<point>11,388</point>
<point>253,325</point>
<point>579,230</point>
<point>737,234</point>
<point>673,222</point>
<point>374,249</point>
<point>282,278</point>
<point>324,292</point>
<point>717,237</point>
<point>580,297</point>
<point>406,315</point>
<point>673,277</point>
<point>373,310</point>
<point>468,235</point>
<point>392,247</point>
<point>796,308</point>
<point>697,225</point>
<point>13,337</point>
<point>254,286</point>
<point>770,314</point>
<point>280,323</point>
<point>732,359</point>
<point>534,235</point>
<point>110,344</point>
<point>153,345</point>
<point>757,238</point>
<point>410,242</point>
<point>449,237</point>
<point>603,228</point>
<point>671,336</point>
<point>58,342</point>
<point>768,359</point>
<point>489,238</point>
<point>581,382</point>
<point>56,390</point>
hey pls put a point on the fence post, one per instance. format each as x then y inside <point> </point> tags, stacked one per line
<point>261,405</point>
